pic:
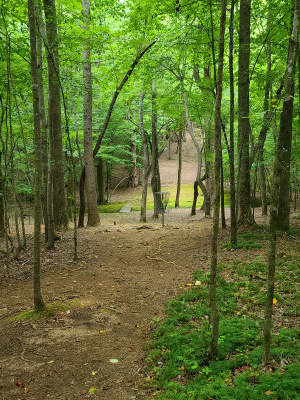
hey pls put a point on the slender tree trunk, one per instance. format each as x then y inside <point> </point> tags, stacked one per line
<point>143,216</point>
<point>39,304</point>
<point>180,134</point>
<point>76,124</point>
<point>134,175</point>
<point>223,217</point>
<point>43,125</point>
<point>281,166</point>
<point>90,176</point>
<point>100,180</point>
<point>233,219</point>
<point>12,168</point>
<point>244,215</point>
<point>217,177</point>
<point>55,128</point>
<point>155,178</point>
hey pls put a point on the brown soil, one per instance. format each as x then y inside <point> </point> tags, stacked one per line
<point>125,273</point>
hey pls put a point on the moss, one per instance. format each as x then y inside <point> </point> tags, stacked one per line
<point>50,310</point>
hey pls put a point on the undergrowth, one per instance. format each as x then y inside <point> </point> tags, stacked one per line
<point>179,368</point>
<point>248,239</point>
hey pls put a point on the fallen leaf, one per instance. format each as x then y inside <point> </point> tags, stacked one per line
<point>94,373</point>
<point>113,360</point>
<point>268,392</point>
<point>198,283</point>
<point>20,384</point>
<point>26,390</point>
<point>92,390</point>
<point>181,368</point>
<point>51,362</point>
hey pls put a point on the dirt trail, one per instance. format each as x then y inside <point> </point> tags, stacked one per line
<point>121,282</point>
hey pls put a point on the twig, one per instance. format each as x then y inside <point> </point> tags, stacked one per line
<point>161,259</point>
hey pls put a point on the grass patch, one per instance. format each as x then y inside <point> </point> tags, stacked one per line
<point>111,207</point>
<point>248,239</point>
<point>50,311</point>
<point>186,198</point>
<point>179,367</point>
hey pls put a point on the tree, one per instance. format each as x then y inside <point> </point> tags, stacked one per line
<point>39,304</point>
<point>90,181</point>
<point>155,178</point>
<point>143,216</point>
<point>244,209</point>
<point>55,129</point>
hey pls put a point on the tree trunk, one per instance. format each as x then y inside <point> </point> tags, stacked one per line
<point>43,125</point>
<point>180,134</point>
<point>244,213</point>
<point>217,170</point>
<point>100,181</point>
<point>39,304</point>
<point>134,173</point>
<point>55,129</point>
<point>143,216</point>
<point>155,178</point>
<point>90,176</point>
<point>233,221</point>
<point>281,167</point>
<point>223,217</point>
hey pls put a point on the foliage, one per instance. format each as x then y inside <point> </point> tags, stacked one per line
<point>178,356</point>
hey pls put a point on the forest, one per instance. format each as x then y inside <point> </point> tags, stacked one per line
<point>149,199</point>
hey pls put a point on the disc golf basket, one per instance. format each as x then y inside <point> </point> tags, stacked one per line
<point>162,201</point>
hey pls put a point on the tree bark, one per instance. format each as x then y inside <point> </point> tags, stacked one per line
<point>100,180</point>
<point>143,216</point>
<point>39,304</point>
<point>155,178</point>
<point>233,219</point>
<point>90,176</point>
<point>55,127</point>
<point>43,126</point>
<point>281,167</point>
<point>244,213</point>
<point>180,134</point>
<point>217,176</point>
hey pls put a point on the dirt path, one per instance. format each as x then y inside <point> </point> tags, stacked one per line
<point>121,282</point>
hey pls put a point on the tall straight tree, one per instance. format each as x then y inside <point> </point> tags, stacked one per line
<point>39,304</point>
<point>55,129</point>
<point>281,167</point>
<point>90,176</point>
<point>217,180</point>
<point>155,179</point>
<point>244,208</point>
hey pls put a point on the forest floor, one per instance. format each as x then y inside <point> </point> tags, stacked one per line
<point>126,271</point>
